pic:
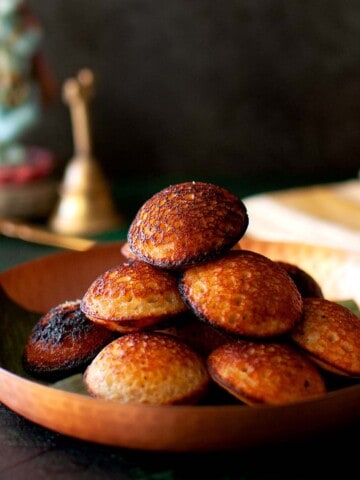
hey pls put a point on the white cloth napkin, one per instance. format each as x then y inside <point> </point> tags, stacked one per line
<point>319,215</point>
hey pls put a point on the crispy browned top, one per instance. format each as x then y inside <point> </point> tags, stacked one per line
<point>271,373</point>
<point>148,367</point>
<point>186,223</point>
<point>134,290</point>
<point>331,333</point>
<point>244,293</point>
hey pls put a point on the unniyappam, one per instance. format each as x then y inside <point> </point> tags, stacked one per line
<point>148,368</point>
<point>244,293</point>
<point>270,373</point>
<point>187,223</point>
<point>306,283</point>
<point>132,296</point>
<point>330,334</point>
<point>63,342</point>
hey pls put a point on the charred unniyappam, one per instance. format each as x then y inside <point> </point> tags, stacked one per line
<point>243,293</point>
<point>271,373</point>
<point>148,368</point>
<point>63,342</point>
<point>187,223</point>
<point>330,334</point>
<point>132,296</point>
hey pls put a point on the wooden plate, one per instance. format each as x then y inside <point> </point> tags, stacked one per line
<point>38,285</point>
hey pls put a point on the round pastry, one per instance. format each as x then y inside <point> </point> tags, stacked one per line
<point>306,284</point>
<point>244,293</point>
<point>187,223</point>
<point>330,334</point>
<point>271,373</point>
<point>132,296</point>
<point>128,254</point>
<point>148,368</point>
<point>63,342</point>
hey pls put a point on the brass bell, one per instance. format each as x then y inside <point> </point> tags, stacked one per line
<point>85,205</point>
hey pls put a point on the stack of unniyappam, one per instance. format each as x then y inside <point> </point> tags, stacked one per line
<point>190,308</point>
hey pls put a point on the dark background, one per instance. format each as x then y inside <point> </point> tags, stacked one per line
<point>244,88</point>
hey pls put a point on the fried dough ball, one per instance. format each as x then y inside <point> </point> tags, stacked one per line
<point>271,373</point>
<point>330,334</point>
<point>187,223</point>
<point>63,342</point>
<point>306,284</point>
<point>128,254</point>
<point>148,368</point>
<point>243,293</point>
<point>132,296</point>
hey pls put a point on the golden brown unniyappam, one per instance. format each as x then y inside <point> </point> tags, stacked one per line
<point>244,293</point>
<point>63,342</point>
<point>128,254</point>
<point>148,368</point>
<point>132,296</point>
<point>187,223</point>
<point>270,373</point>
<point>330,334</point>
<point>306,284</point>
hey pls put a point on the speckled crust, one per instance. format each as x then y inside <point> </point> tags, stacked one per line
<point>306,284</point>
<point>330,334</point>
<point>244,293</point>
<point>63,342</point>
<point>271,373</point>
<point>187,223</point>
<point>148,368</point>
<point>128,254</point>
<point>132,296</point>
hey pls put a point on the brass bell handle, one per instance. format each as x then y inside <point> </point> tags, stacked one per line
<point>77,93</point>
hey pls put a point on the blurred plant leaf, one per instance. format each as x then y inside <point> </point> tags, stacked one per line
<point>351,305</point>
